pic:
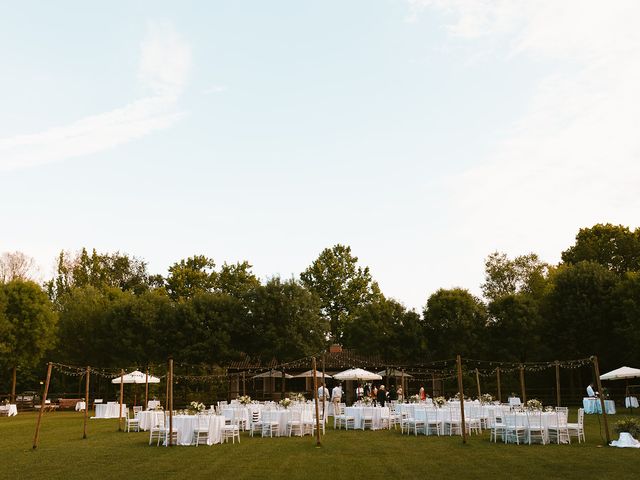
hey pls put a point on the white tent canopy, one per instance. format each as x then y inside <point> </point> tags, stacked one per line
<point>357,374</point>
<point>273,374</point>
<point>392,372</point>
<point>136,377</point>
<point>621,373</point>
<point>309,374</point>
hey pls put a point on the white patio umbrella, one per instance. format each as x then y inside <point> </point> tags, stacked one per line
<point>136,377</point>
<point>357,374</point>
<point>622,373</point>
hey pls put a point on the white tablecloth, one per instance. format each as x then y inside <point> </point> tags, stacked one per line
<point>80,406</point>
<point>631,402</point>
<point>110,410</point>
<point>151,404</point>
<point>12,409</point>
<point>376,413</point>
<point>185,425</point>
<point>592,405</point>
<point>149,418</point>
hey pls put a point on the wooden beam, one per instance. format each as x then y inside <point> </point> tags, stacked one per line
<point>121,399</point>
<point>146,389</point>
<point>14,376</point>
<point>558,383</point>
<point>498,380</point>
<point>86,402</point>
<point>36,437</point>
<point>170,402</point>
<point>315,396</point>
<point>522,387</point>
<point>478,383</point>
<point>463,425</point>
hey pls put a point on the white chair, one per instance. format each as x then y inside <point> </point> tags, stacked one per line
<point>558,427</point>
<point>230,432</point>
<point>515,429</point>
<point>156,432</point>
<point>496,427</point>
<point>201,432</point>
<point>341,418</point>
<point>418,421</point>
<point>536,428</point>
<point>132,422</point>
<point>136,410</point>
<point>174,432</point>
<point>269,423</point>
<point>434,423</point>
<point>577,429</point>
<point>453,424</point>
<point>295,423</point>
<point>255,424</point>
<point>367,418</point>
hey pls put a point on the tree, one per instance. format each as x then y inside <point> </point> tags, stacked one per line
<point>102,271</point>
<point>514,332</point>
<point>626,319</point>
<point>455,323</point>
<point>236,279</point>
<point>386,327</point>
<point>29,326</point>
<point>615,247</point>
<point>341,285</point>
<point>191,276</point>
<point>523,274</point>
<point>578,310</point>
<point>16,266</point>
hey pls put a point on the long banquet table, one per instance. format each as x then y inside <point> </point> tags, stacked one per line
<point>109,410</point>
<point>376,414</point>
<point>149,418</point>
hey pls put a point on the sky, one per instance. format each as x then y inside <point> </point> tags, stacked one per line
<point>425,134</point>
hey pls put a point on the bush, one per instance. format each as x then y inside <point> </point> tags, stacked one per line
<point>630,425</point>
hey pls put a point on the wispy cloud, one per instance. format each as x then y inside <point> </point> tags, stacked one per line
<point>164,69</point>
<point>573,158</point>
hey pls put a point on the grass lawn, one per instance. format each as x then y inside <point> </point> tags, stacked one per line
<point>107,453</point>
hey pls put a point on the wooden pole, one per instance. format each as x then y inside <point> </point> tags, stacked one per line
<point>522,389</point>
<point>14,376</point>
<point>604,410</point>
<point>171,402</point>
<point>478,384</point>
<point>557,383</point>
<point>463,425</point>
<point>166,395</point>
<point>498,380</point>
<point>433,385</point>
<point>244,384</point>
<point>324,390</point>
<point>86,402</point>
<point>121,399</point>
<point>315,396</point>
<point>283,386</point>
<point>146,389</point>
<point>42,404</point>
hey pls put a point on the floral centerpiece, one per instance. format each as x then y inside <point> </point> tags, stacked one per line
<point>244,399</point>
<point>414,398</point>
<point>366,400</point>
<point>440,401</point>
<point>197,407</point>
<point>534,404</point>
<point>628,425</point>
<point>285,402</point>
<point>6,401</point>
<point>158,408</point>
<point>297,397</point>
<point>486,398</point>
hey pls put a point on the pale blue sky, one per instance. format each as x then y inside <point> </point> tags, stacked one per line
<point>425,134</point>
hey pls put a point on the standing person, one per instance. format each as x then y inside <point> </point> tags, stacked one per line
<point>590,391</point>
<point>400,394</point>
<point>323,393</point>
<point>381,396</point>
<point>336,398</point>
<point>359,392</point>
<point>422,393</point>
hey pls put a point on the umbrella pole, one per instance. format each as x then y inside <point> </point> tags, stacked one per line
<point>146,389</point>
<point>315,396</point>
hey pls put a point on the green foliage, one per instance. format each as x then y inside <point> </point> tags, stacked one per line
<point>191,276</point>
<point>341,285</point>
<point>387,328</point>
<point>615,247</point>
<point>523,274</point>
<point>455,322</point>
<point>28,323</point>
<point>630,425</point>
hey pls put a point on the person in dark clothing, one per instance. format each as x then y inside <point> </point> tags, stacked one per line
<point>381,396</point>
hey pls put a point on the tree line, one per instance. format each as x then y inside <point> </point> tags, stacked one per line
<point>108,310</point>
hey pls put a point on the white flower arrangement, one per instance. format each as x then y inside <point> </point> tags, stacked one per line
<point>440,401</point>
<point>366,400</point>
<point>297,397</point>
<point>414,398</point>
<point>285,402</point>
<point>534,404</point>
<point>244,399</point>
<point>198,406</point>
<point>486,398</point>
